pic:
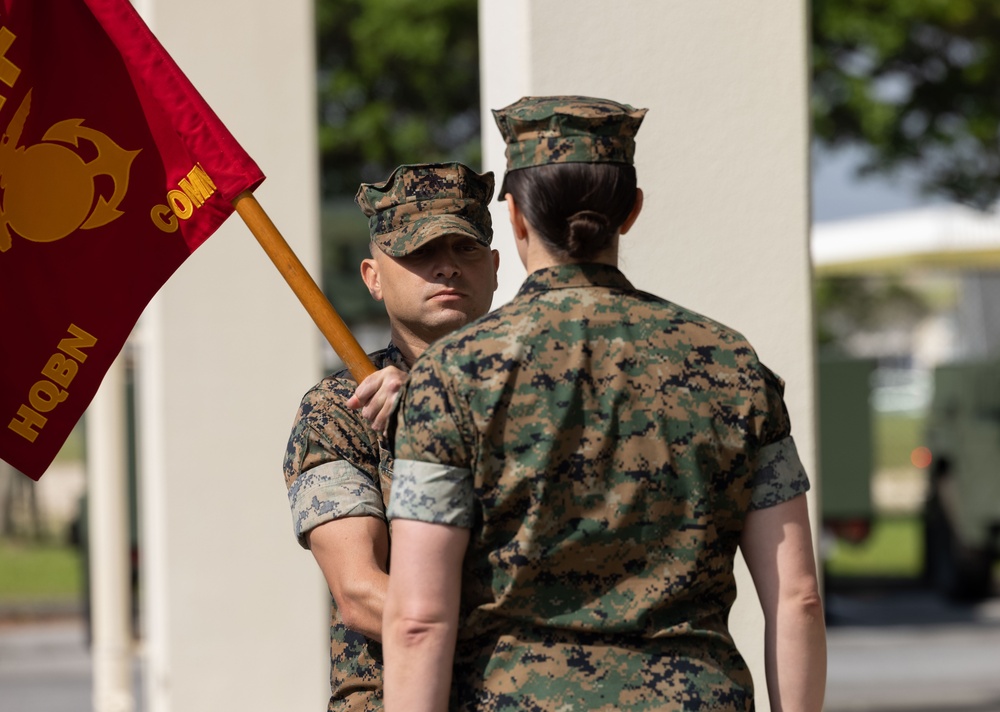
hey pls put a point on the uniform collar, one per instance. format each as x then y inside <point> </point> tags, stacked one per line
<point>587,274</point>
<point>391,356</point>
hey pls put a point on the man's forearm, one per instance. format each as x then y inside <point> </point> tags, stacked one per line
<point>352,553</point>
<point>361,603</point>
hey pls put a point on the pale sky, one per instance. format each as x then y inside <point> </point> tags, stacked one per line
<point>837,194</point>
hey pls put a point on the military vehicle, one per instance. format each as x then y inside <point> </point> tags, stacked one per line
<point>846,451</point>
<point>962,511</point>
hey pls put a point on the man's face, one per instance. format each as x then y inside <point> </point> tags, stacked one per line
<point>432,291</point>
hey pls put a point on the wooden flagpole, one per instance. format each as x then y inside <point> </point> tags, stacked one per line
<point>304,286</point>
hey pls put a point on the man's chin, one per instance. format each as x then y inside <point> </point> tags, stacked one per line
<point>447,320</point>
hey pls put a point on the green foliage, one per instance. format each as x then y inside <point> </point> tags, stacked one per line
<point>30,571</point>
<point>894,548</point>
<point>398,83</point>
<point>345,244</point>
<point>913,81</point>
<point>847,305</point>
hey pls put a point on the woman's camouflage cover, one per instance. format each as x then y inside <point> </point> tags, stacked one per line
<point>543,130</point>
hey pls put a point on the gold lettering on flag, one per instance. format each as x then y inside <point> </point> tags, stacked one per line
<point>48,392</point>
<point>8,70</point>
<point>191,193</point>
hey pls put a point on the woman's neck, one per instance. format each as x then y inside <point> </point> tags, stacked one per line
<point>538,256</point>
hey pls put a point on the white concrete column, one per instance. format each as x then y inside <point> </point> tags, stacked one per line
<point>722,157</point>
<point>109,543</point>
<point>235,614</point>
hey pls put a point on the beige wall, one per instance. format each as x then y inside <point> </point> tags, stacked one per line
<point>721,156</point>
<point>235,613</point>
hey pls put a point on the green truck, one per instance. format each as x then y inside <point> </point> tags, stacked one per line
<point>962,511</point>
<point>846,447</point>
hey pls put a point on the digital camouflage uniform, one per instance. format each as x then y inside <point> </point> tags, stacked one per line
<point>604,446</point>
<point>335,465</point>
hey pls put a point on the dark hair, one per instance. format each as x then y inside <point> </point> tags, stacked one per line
<point>577,208</point>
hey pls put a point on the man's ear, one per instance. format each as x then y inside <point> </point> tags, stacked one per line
<point>634,213</point>
<point>496,270</point>
<point>516,218</point>
<point>372,277</point>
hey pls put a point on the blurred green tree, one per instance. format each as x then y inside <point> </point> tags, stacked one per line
<point>847,305</point>
<point>398,82</point>
<point>915,84</point>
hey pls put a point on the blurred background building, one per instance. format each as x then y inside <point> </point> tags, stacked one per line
<point>906,248</point>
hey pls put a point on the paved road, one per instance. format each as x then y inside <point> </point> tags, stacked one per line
<point>890,651</point>
<point>45,667</point>
<point>908,650</point>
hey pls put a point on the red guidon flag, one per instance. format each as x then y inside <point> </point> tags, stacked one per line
<point>113,170</point>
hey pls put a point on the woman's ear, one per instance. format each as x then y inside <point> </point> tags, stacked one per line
<point>516,218</point>
<point>634,213</point>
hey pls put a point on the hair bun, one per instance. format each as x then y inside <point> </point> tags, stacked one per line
<point>590,216</point>
<point>587,231</point>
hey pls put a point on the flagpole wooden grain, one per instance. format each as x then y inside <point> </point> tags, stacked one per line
<point>304,286</point>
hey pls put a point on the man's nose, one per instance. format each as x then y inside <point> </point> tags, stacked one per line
<point>446,264</point>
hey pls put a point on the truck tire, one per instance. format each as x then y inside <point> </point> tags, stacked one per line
<point>955,571</point>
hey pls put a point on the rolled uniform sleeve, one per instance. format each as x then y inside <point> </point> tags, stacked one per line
<point>332,461</point>
<point>778,475</point>
<point>432,472</point>
<point>432,493</point>
<point>333,490</point>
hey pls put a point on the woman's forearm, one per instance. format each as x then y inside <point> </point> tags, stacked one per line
<point>777,547</point>
<point>795,656</point>
<point>420,623</point>
<point>418,660</point>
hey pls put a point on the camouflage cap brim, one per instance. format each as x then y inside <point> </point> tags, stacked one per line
<point>420,231</point>
<point>421,202</point>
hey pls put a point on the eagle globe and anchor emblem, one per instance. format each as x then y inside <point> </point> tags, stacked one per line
<point>48,189</point>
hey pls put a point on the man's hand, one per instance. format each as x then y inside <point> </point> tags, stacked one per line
<point>376,396</point>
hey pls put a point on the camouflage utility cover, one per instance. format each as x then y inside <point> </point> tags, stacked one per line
<point>604,447</point>
<point>336,466</point>
<point>421,202</point>
<point>541,130</point>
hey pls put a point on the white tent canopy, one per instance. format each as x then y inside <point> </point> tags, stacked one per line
<point>938,236</point>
